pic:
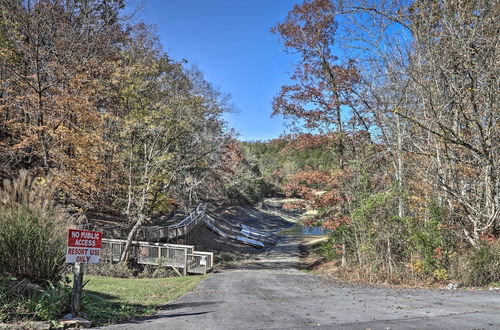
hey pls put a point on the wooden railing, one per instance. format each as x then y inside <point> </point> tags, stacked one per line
<point>149,233</point>
<point>161,254</point>
<point>165,254</point>
<point>185,257</point>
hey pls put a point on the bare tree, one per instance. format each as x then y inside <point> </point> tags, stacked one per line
<point>440,73</point>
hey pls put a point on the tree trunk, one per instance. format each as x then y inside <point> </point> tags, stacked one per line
<point>343,262</point>
<point>131,236</point>
<point>129,203</point>
<point>141,212</point>
<point>400,168</point>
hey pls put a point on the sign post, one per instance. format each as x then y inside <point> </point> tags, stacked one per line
<point>77,288</point>
<point>83,247</point>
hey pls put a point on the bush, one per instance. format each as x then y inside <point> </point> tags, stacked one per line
<point>44,304</point>
<point>328,250</point>
<point>432,244</point>
<point>120,270</point>
<point>480,266</point>
<point>32,231</point>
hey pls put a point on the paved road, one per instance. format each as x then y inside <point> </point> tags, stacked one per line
<point>271,294</point>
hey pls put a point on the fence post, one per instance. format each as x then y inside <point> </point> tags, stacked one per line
<point>185,262</point>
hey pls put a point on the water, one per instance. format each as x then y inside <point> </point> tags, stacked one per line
<point>298,229</point>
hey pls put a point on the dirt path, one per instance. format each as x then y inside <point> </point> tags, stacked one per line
<point>270,293</point>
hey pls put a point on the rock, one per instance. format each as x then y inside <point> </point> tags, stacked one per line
<point>26,325</point>
<point>451,286</point>
<point>30,287</point>
<point>68,316</point>
<point>24,287</point>
<point>75,322</point>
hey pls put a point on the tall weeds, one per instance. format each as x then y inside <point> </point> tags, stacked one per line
<point>480,266</point>
<point>32,230</point>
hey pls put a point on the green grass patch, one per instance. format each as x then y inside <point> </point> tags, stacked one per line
<point>110,300</point>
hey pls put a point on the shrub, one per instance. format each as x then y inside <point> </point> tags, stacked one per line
<point>328,250</point>
<point>44,304</point>
<point>110,269</point>
<point>432,242</point>
<point>480,266</point>
<point>32,231</point>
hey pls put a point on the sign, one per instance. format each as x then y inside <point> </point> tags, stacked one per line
<point>84,246</point>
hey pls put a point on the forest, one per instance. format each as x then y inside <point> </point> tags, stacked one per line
<point>396,144</point>
<point>393,135</point>
<point>98,104</point>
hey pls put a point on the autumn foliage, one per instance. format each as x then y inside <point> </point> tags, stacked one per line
<point>395,143</point>
<point>95,101</point>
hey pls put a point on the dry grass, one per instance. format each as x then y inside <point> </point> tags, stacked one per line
<point>312,261</point>
<point>33,230</point>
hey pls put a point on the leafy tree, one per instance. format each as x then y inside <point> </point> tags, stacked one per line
<point>53,57</point>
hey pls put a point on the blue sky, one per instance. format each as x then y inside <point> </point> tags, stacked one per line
<point>230,41</point>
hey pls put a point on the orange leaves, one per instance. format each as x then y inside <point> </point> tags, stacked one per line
<point>308,25</point>
<point>306,184</point>
<point>320,85</point>
<point>334,223</point>
<point>489,238</point>
<point>438,253</point>
<point>307,141</point>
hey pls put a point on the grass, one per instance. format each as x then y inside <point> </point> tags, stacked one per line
<point>109,300</point>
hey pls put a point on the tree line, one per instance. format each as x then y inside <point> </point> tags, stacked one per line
<point>94,101</point>
<point>393,109</point>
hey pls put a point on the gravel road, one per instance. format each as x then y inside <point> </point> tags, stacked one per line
<point>270,293</point>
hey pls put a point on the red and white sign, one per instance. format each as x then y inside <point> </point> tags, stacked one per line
<point>83,246</point>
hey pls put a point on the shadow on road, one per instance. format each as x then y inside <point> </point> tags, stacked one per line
<point>165,311</point>
<point>162,316</point>
<point>170,307</point>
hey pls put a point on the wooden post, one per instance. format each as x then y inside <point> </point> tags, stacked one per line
<point>185,262</point>
<point>76,298</point>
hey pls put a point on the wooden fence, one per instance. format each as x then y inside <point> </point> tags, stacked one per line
<point>161,254</point>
